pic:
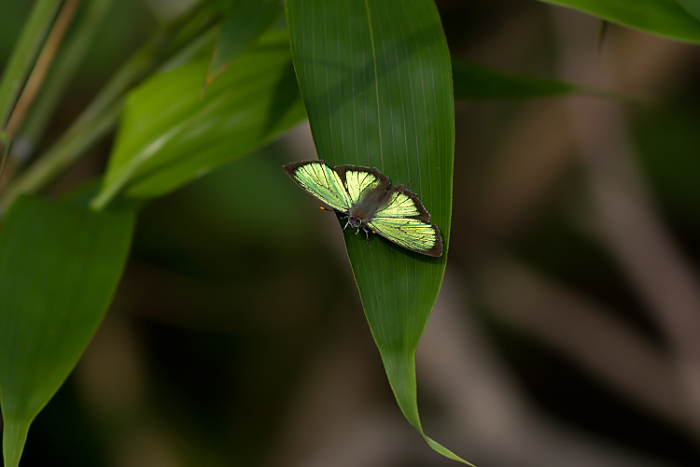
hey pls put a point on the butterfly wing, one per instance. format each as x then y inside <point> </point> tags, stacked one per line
<point>361,181</point>
<point>404,221</point>
<point>322,181</point>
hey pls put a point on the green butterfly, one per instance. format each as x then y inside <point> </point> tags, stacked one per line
<point>362,195</point>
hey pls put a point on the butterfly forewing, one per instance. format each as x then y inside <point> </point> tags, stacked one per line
<point>360,181</point>
<point>320,180</point>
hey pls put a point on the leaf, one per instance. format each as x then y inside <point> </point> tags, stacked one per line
<point>59,267</point>
<point>244,23</point>
<point>663,17</point>
<point>692,7</point>
<point>169,134</point>
<point>473,81</point>
<point>376,81</point>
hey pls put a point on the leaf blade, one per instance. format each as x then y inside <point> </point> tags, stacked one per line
<point>473,81</point>
<point>662,17</point>
<point>692,7</point>
<point>169,134</point>
<point>376,82</point>
<point>59,267</point>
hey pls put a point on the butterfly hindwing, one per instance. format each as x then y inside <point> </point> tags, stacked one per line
<point>322,181</point>
<point>404,221</point>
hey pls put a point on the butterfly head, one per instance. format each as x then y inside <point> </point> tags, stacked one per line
<point>358,215</point>
<point>354,221</point>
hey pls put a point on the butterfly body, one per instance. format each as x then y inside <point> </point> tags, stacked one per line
<point>362,195</point>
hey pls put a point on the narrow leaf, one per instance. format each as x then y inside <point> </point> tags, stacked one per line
<point>59,267</point>
<point>692,7</point>
<point>245,22</point>
<point>376,81</point>
<point>169,134</point>
<point>663,17</point>
<point>473,81</point>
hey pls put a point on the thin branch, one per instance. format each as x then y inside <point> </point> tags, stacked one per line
<point>43,63</point>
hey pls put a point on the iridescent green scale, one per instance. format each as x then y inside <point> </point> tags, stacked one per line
<point>362,195</point>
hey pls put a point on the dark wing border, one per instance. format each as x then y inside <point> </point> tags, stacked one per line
<point>384,180</point>
<point>289,169</point>
<point>423,213</point>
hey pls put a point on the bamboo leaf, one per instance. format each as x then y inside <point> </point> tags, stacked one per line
<point>59,267</point>
<point>663,17</point>
<point>376,81</point>
<point>473,81</point>
<point>692,7</point>
<point>170,134</point>
<point>244,23</point>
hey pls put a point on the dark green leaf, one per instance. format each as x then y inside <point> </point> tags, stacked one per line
<point>473,81</point>
<point>376,80</point>
<point>59,267</point>
<point>245,22</point>
<point>663,17</point>
<point>692,7</point>
<point>170,133</point>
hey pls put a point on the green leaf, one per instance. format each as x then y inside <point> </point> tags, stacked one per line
<point>663,17</point>
<point>170,133</point>
<point>692,7</point>
<point>245,22</point>
<point>59,267</point>
<point>24,54</point>
<point>376,81</point>
<point>473,81</point>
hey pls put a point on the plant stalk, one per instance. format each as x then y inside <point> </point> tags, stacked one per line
<point>43,63</point>
<point>24,53</point>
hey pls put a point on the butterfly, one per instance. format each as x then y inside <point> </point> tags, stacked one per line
<point>363,197</point>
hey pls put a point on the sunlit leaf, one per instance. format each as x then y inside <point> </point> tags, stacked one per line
<point>376,80</point>
<point>170,133</point>
<point>59,267</point>
<point>663,17</point>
